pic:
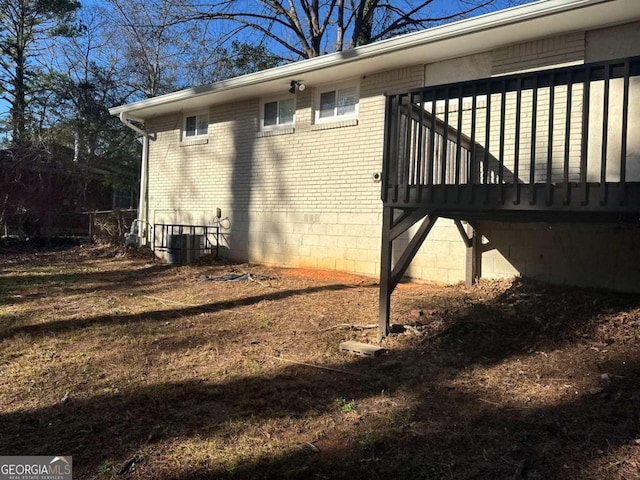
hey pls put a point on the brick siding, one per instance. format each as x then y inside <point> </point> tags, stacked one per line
<point>305,196</point>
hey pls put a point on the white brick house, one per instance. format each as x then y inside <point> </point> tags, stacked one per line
<point>292,174</point>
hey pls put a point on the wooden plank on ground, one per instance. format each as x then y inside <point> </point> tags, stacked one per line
<point>361,349</point>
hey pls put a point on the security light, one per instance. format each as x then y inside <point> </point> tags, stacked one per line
<point>296,84</point>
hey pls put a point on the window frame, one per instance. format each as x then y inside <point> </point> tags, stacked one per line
<point>336,117</point>
<point>278,125</point>
<point>198,116</point>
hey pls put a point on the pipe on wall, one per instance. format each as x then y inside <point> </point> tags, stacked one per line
<point>143,215</point>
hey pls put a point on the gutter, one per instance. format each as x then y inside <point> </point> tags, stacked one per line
<point>139,234</point>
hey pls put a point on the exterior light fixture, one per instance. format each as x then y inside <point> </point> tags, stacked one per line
<point>296,84</point>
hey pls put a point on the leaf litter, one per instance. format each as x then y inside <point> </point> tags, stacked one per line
<point>159,374</point>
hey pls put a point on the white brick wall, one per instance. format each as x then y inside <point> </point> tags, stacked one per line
<point>302,198</point>
<point>306,197</point>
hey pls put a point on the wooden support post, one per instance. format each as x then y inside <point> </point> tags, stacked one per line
<point>472,257</point>
<point>390,275</point>
<point>385,272</point>
<point>470,239</point>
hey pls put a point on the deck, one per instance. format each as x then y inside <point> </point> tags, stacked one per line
<point>548,145</point>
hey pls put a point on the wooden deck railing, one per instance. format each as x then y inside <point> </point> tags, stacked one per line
<point>553,139</point>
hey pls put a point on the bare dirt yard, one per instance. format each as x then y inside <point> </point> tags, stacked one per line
<point>145,371</point>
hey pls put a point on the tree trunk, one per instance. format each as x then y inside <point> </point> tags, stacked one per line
<point>18,107</point>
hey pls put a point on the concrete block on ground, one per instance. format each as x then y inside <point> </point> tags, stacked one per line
<point>361,349</point>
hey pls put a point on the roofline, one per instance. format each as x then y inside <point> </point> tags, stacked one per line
<point>439,33</point>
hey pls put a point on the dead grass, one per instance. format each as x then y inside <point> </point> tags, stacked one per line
<point>143,371</point>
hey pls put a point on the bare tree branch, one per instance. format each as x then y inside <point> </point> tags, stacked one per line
<point>407,19</point>
<point>305,27</point>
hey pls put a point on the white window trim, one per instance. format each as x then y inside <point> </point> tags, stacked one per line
<point>197,137</point>
<point>335,87</point>
<point>277,126</point>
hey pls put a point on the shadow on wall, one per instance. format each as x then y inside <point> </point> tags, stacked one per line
<point>185,182</point>
<point>588,255</point>
<point>188,183</point>
<point>241,188</point>
<point>254,170</point>
<point>267,242</point>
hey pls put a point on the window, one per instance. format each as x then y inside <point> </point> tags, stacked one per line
<point>278,114</point>
<point>338,104</point>
<point>196,126</point>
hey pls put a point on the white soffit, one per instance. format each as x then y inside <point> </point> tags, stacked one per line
<point>505,27</point>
